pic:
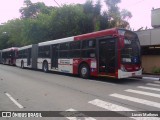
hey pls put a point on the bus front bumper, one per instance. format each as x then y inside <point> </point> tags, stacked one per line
<point>124,74</point>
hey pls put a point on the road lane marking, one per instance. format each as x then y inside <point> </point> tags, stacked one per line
<point>143,93</point>
<point>156,81</point>
<point>149,88</point>
<point>14,101</point>
<point>151,84</point>
<point>137,100</point>
<point>109,106</point>
<point>150,78</point>
<point>113,107</point>
<point>75,118</point>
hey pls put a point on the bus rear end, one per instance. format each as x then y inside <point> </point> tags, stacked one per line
<point>9,56</point>
<point>129,54</point>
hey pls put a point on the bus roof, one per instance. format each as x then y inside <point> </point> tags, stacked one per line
<point>92,35</point>
<point>10,49</point>
<point>25,47</point>
<point>97,34</point>
<point>56,41</point>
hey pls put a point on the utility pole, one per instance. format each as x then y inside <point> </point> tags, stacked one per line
<point>57,3</point>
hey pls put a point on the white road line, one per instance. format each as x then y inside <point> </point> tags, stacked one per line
<point>75,118</point>
<point>71,118</point>
<point>109,106</point>
<point>14,101</point>
<point>143,93</point>
<point>137,100</point>
<point>150,78</point>
<point>149,88</point>
<point>156,81</point>
<point>153,84</point>
<point>113,107</point>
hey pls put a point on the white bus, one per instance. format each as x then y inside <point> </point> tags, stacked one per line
<point>27,57</point>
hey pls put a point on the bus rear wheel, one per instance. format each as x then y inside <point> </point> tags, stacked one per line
<point>22,65</point>
<point>84,71</point>
<point>45,67</point>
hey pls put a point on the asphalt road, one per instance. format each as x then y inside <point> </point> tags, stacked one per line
<point>30,90</point>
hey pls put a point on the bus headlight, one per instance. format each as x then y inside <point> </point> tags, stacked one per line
<point>123,68</point>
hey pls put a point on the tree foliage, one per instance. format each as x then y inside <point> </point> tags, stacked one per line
<point>117,18</point>
<point>40,23</point>
<point>31,10</point>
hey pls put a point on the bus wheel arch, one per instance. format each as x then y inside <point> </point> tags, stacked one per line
<point>45,66</point>
<point>83,70</point>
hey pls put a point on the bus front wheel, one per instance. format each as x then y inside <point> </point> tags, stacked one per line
<point>45,66</point>
<point>84,71</point>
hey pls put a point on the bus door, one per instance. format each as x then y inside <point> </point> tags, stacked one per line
<point>29,57</point>
<point>55,56</point>
<point>107,55</point>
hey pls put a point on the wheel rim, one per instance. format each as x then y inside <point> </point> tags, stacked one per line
<point>45,67</point>
<point>84,71</point>
<point>22,65</point>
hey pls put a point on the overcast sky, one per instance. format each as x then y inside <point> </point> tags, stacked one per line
<point>140,9</point>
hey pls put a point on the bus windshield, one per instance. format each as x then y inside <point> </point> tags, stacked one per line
<point>130,53</point>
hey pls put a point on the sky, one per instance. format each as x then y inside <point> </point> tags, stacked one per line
<point>140,9</point>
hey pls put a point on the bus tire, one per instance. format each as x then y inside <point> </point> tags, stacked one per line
<point>22,65</point>
<point>84,71</point>
<point>45,66</point>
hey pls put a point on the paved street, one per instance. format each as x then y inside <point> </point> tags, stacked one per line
<point>29,90</point>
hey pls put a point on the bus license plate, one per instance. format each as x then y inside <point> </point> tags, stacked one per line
<point>133,74</point>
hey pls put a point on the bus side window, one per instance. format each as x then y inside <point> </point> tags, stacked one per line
<point>75,51</point>
<point>89,43</point>
<point>44,52</point>
<point>88,48</point>
<point>64,46</point>
<point>63,50</point>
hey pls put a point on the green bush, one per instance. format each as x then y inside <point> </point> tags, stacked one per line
<point>156,70</point>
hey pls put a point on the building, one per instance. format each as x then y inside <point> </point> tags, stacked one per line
<point>150,44</point>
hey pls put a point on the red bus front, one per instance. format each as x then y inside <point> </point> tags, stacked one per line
<point>129,54</point>
<point>116,53</point>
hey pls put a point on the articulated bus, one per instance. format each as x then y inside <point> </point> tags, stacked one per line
<point>111,53</point>
<point>8,56</point>
<point>27,57</point>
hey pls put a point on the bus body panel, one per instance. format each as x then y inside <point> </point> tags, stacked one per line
<point>65,65</point>
<point>34,56</point>
<point>27,56</point>
<point>20,59</point>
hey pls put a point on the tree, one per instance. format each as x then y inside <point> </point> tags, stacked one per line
<point>104,24</point>
<point>97,20</point>
<point>117,18</point>
<point>12,33</point>
<point>31,10</point>
<point>67,21</point>
<point>4,37</point>
<point>40,23</point>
